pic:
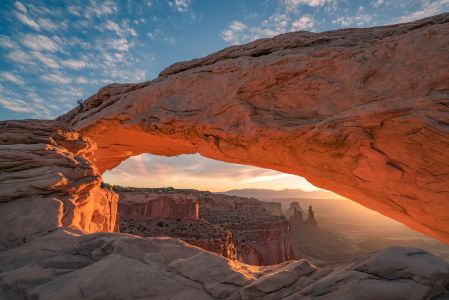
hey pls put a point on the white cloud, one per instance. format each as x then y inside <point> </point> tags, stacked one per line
<point>82,80</point>
<point>46,59</point>
<point>285,18</point>
<point>100,8</point>
<point>235,33</point>
<point>264,178</point>
<point>46,24</point>
<point>40,42</point>
<point>377,3</point>
<point>15,102</point>
<point>74,10</point>
<point>158,34</point>
<point>428,8</point>
<point>361,18</point>
<point>19,56</point>
<point>7,42</point>
<point>12,78</point>
<point>20,7</point>
<point>120,44</point>
<point>139,75</point>
<point>112,26</point>
<point>16,105</point>
<point>293,4</point>
<point>27,21</point>
<point>120,30</point>
<point>280,22</point>
<point>56,78</point>
<point>237,26</point>
<point>195,171</point>
<point>132,31</point>
<point>75,64</point>
<point>180,5</point>
<point>304,23</point>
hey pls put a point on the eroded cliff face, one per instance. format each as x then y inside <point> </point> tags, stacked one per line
<point>143,205</point>
<point>361,112</point>
<point>47,182</point>
<point>238,228</point>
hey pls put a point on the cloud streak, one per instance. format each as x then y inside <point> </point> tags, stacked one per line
<point>195,171</point>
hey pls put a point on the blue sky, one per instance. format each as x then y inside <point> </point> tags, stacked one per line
<point>56,52</point>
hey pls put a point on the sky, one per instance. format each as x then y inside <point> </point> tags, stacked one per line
<point>201,173</point>
<point>54,53</point>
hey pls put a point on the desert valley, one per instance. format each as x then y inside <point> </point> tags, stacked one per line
<point>309,165</point>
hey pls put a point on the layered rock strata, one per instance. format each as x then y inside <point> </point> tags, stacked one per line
<point>46,182</point>
<point>142,205</point>
<point>236,227</point>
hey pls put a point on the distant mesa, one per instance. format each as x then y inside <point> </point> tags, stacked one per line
<point>239,228</point>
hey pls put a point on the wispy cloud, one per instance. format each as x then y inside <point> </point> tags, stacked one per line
<point>293,5</point>
<point>180,5</point>
<point>46,24</point>
<point>40,43</point>
<point>20,7</point>
<point>427,8</point>
<point>303,23</point>
<point>98,8</point>
<point>361,18</point>
<point>121,45</point>
<point>56,78</point>
<point>75,64</point>
<point>27,21</point>
<point>120,30</point>
<point>7,42</point>
<point>287,17</point>
<point>16,105</point>
<point>25,102</point>
<point>47,59</point>
<point>12,78</point>
<point>195,171</point>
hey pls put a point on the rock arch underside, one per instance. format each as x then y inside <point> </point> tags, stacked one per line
<point>361,112</point>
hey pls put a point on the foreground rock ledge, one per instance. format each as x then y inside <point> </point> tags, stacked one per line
<point>361,112</point>
<point>68,264</point>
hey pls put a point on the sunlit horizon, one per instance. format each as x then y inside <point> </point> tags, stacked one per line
<point>193,171</point>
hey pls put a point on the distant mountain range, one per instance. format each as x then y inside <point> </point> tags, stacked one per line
<point>285,193</point>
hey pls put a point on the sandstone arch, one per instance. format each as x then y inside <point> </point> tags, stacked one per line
<point>361,112</point>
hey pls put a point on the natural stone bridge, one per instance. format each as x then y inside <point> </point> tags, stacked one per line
<point>361,112</point>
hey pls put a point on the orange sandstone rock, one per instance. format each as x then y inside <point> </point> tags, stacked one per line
<point>361,112</point>
<point>47,182</point>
